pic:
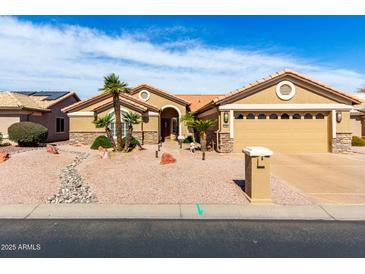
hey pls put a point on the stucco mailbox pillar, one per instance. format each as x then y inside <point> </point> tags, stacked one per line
<point>257,171</point>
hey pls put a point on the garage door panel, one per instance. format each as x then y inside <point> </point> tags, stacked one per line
<point>287,135</point>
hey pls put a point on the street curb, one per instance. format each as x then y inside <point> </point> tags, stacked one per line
<point>328,212</point>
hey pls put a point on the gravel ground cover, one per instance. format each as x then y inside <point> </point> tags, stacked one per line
<point>138,178</point>
<point>32,176</point>
<point>134,178</point>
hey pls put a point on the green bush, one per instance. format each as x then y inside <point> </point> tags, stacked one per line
<point>27,133</point>
<point>358,141</point>
<point>188,139</point>
<point>102,141</point>
<point>134,142</point>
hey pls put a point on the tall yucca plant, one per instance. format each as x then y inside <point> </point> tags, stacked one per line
<point>114,86</point>
<point>104,122</point>
<point>131,118</point>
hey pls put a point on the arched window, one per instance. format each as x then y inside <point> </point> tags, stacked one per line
<point>261,116</point>
<point>319,116</point>
<point>296,116</point>
<point>238,116</point>
<point>273,116</point>
<point>285,116</point>
<point>308,116</point>
<point>250,116</point>
<point>113,127</point>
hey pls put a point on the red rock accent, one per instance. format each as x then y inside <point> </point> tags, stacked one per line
<point>52,149</point>
<point>167,158</point>
<point>4,156</point>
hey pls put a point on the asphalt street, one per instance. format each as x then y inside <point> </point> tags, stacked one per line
<point>181,238</point>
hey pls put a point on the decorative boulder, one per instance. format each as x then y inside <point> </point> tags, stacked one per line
<point>4,156</point>
<point>103,153</point>
<point>167,158</point>
<point>52,149</point>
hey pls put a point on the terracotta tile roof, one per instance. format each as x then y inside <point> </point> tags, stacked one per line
<point>285,72</point>
<point>106,98</point>
<point>198,100</point>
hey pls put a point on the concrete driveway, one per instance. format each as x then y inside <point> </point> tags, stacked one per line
<point>324,177</point>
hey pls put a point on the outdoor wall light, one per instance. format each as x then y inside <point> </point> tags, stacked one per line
<point>339,117</point>
<point>225,117</point>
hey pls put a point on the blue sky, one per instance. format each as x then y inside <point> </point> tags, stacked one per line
<point>182,54</point>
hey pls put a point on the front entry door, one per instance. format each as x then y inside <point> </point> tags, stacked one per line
<point>166,128</point>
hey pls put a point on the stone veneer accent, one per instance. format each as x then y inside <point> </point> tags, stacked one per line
<point>342,143</point>
<point>150,137</point>
<point>225,143</point>
<point>85,138</point>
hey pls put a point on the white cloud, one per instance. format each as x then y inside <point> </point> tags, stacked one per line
<point>35,57</point>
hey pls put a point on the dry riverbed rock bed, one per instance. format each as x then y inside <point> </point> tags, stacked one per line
<point>73,189</point>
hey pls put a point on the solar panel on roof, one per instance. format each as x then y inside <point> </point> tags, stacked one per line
<point>50,95</point>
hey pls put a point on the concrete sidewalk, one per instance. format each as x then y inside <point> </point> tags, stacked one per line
<point>183,211</point>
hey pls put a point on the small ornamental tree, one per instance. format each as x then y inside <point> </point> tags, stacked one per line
<point>131,118</point>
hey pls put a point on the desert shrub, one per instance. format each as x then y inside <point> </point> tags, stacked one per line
<point>134,142</point>
<point>27,133</point>
<point>102,141</point>
<point>358,141</point>
<point>188,139</point>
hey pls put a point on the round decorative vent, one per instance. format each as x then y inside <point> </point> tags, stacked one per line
<point>144,95</point>
<point>285,90</point>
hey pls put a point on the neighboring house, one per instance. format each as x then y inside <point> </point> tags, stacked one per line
<point>43,107</point>
<point>286,112</point>
<point>357,121</point>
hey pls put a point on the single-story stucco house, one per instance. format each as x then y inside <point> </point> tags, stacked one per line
<point>286,112</point>
<point>43,107</point>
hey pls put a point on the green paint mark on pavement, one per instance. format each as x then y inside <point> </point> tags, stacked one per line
<point>200,211</point>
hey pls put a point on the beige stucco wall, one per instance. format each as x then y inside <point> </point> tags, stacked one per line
<point>6,121</point>
<point>344,125</point>
<point>83,124</point>
<point>268,96</point>
<point>357,125</point>
<point>161,102</point>
<point>137,127</point>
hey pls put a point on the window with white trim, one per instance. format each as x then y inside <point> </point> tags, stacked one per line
<point>113,127</point>
<point>319,116</point>
<point>60,125</point>
<point>285,116</point>
<point>261,116</point>
<point>238,115</point>
<point>308,116</point>
<point>273,116</point>
<point>297,116</point>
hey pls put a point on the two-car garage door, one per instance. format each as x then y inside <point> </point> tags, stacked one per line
<point>289,132</point>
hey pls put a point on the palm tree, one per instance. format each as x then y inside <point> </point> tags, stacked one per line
<point>131,118</point>
<point>104,122</point>
<point>202,126</point>
<point>189,120</point>
<point>114,86</point>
